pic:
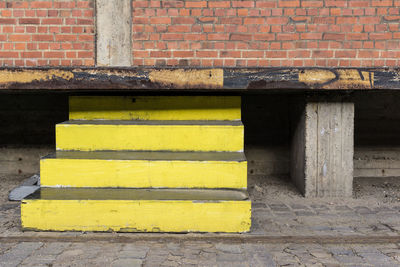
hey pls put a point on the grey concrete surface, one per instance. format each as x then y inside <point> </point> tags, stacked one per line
<point>113,25</point>
<point>323,148</point>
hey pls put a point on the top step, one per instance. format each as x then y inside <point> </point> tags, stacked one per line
<point>155,108</point>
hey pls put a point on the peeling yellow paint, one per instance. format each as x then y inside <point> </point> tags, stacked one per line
<point>143,173</point>
<point>91,137</point>
<point>27,76</point>
<point>210,78</point>
<point>338,79</point>
<point>154,108</point>
<point>316,76</point>
<point>136,215</point>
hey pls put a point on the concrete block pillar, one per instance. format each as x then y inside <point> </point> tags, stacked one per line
<point>322,150</point>
<point>114,33</point>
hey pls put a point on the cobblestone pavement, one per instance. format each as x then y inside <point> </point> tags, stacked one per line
<point>195,254</point>
<point>281,219</point>
<point>285,217</point>
<point>363,221</point>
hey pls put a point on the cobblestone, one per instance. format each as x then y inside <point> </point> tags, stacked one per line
<point>326,218</point>
<point>18,253</point>
<point>127,262</point>
<point>254,254</point>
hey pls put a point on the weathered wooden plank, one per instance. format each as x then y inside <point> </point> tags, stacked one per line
<point>198,79</point>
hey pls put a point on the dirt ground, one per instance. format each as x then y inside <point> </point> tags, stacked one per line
<point>374,191</point>
<point>262,189</point>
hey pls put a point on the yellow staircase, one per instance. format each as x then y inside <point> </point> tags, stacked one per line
<point>145,164</point>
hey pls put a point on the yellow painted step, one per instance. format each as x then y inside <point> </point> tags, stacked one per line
<point>144,169</point>
<point>137,210</point>
<point>150,135</point>
<point>154,108</point>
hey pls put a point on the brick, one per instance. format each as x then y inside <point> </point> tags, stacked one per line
<point>243,3</point>
<point>7,21</point>
<point>334,36</point>
<point>65,38</point>
<point>219,4</point>
<point>195,37</point>
<point>345,54</point>
<point>289,3</point>
<point>56,21</point>
<point>206,54</point>
<point>357,36</point>
<point>183,53</point>
<point>195,4</point>
<point>8,54</point>
<point>29,21</point>
<point>85,54</point>
<point>183,20</point>
<point>287,36</point>
<point>217,36</point>
<point>172,36</point>
<point>322,54</point>
<point>31,54</point>
<point>311,36</point>
<point>54,54</point>
<point>276,54</point>
<point>299,54</point>
<point>277,20</point>
<point>165,20</point>
<point>253,21</point>
<point>179,28</point>
<point>241,37</point>
<point>42,38</point>
<point>40,4</point>
<point>19,38</point>
<point>346,20</point>
<point>312,3</point>
<point>234,21</point>
<point>253,54</point>
<point>265,37</point>
<point>230,54</point>
<point>382,3</point>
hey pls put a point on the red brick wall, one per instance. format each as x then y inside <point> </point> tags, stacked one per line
<point>51,32</point>
<point>267,33</point>
<point>230,33</point>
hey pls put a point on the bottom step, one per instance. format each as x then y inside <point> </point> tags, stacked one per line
<point>137,210</point>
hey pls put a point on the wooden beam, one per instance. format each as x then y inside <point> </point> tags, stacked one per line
<point>198,79</point>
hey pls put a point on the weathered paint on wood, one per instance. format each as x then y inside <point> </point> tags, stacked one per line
<point>198,79</point>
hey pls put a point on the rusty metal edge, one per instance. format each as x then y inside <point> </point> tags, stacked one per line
<point>198,79</point>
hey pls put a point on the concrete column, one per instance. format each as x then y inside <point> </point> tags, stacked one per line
<point>114,33</point>
<point>322,150</point>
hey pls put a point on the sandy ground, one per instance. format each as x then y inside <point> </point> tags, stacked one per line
<point>374,191</point>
